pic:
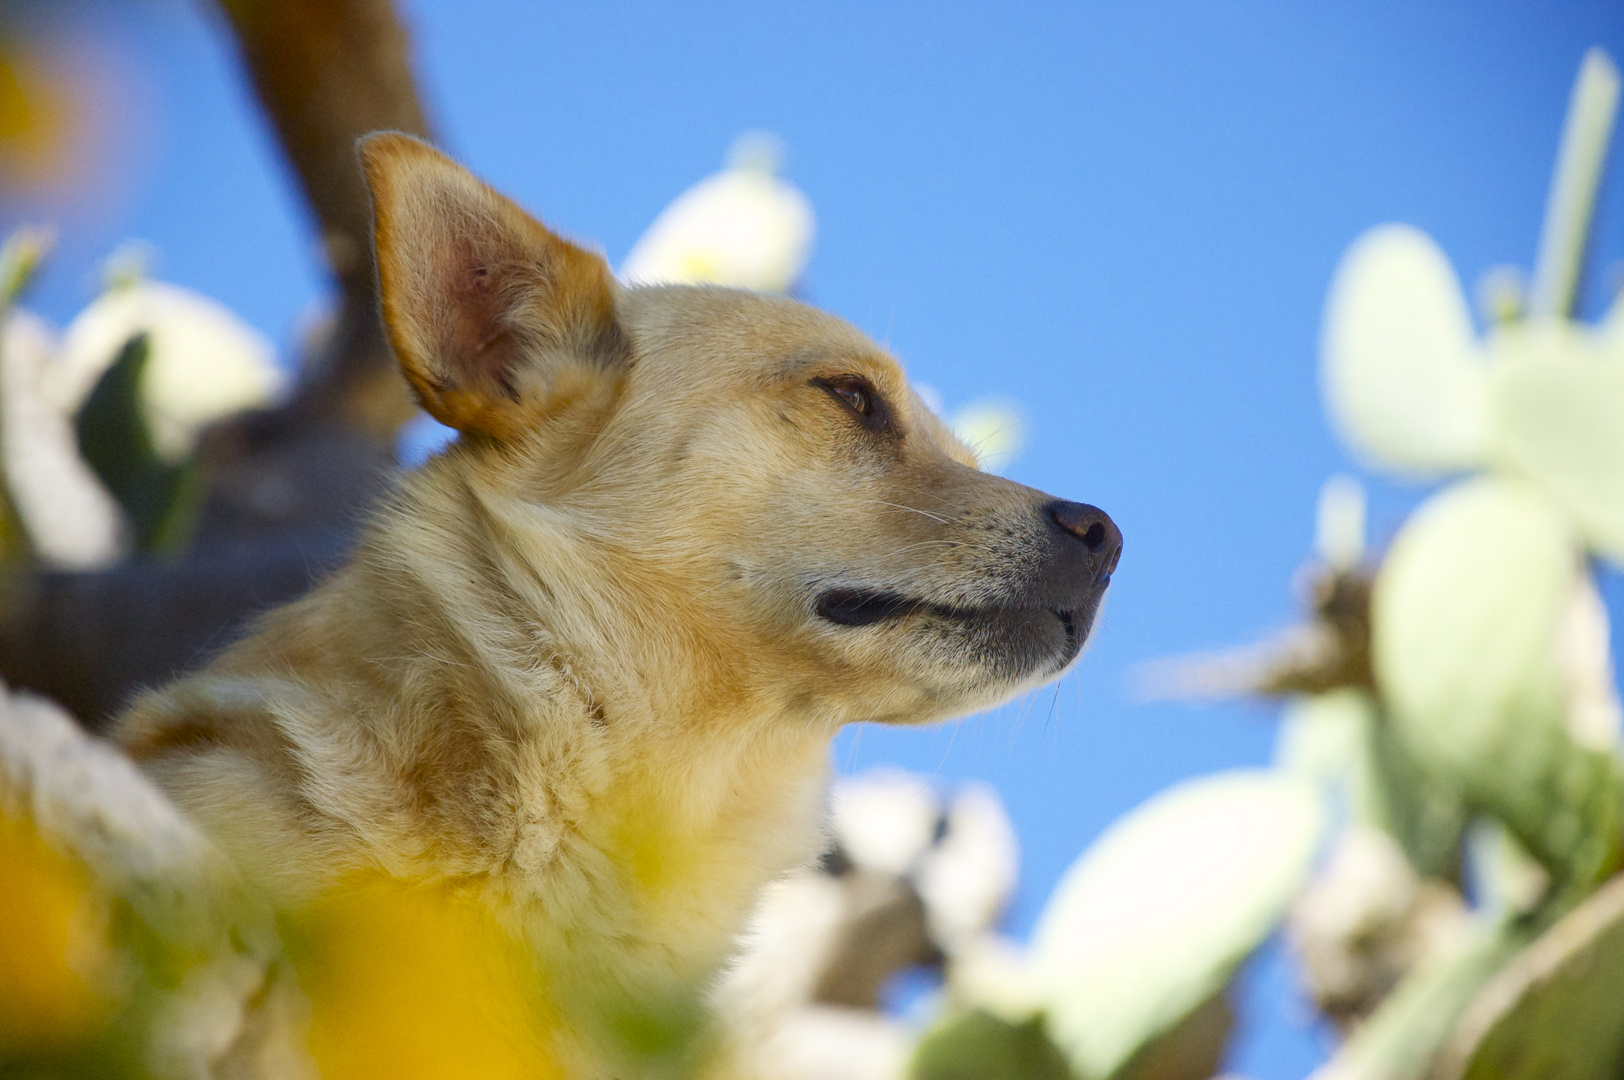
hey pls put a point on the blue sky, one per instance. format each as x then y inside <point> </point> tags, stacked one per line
<point>1124,217</point>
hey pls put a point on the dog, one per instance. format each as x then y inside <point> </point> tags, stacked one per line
<point>586,663</point>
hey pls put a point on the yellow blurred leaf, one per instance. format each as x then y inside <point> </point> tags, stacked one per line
<point>412,981</point>
<point>36,118</point>
<point>54,953</point>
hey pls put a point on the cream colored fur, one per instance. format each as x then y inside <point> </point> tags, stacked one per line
<point>576,663</point>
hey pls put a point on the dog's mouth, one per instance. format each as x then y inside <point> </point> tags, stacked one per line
<point>863,607</point>
<point>866,607</point>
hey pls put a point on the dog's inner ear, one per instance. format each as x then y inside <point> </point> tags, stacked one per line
<point>495,320</point>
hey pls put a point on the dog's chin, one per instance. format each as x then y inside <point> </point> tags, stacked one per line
<point>1012,643</point>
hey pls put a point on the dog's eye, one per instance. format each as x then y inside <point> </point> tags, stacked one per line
<point>854,394</point>
<point>853,391</point>
<point>858,394</point>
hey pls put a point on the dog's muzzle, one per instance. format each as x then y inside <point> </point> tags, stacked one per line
<point>1079,548</point>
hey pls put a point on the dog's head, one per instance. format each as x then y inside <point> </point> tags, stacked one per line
<point>738,479</point>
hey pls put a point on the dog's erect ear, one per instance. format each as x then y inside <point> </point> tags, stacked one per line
<point>491,315</point>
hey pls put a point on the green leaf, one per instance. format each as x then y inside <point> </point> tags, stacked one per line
<point>206,362</point>
<point>1404,382</point>
<point>1572,200</point>
<point>1154,918</point>
<point>1326,738</point>
<point>1193,1049</point>
<point>161,499</point>
<point>1342,742</point>
<point>20,259</point>
<point>1553,1012</point>
<point>1465,618</point>
<point>976,1045</point>
<point>1402,1037</point>
<point>1557,397</point>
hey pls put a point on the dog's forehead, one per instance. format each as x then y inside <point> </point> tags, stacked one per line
<point>738,334</point>
<point>698,334</point>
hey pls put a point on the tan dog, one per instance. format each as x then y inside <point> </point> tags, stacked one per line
<point>588,661</point>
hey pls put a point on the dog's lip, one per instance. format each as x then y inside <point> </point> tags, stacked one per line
<point>865,607</point>
<point>1075,635</point>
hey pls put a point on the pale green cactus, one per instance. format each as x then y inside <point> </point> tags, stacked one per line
<point>1405,383</point>
<point>1412,389</point>
<point>1466,621</point>
<point>1144,933</point>
<point>1414,393</point>
<point>744,227</point>
<point>977,1045</point>
<point>1488,640</point>
<point>1557,413</point>
<point>1157,914</point>
<point>99,426</point>
<point>1553,1010</point>
<point>1340,741</point>
<point>1469,608</point>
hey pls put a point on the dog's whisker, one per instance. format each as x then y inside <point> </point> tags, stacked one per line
<point>970,545</point>
<point>913,510</point>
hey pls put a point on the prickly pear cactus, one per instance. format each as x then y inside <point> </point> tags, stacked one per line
<point>1489,642</point>
<point>1471,609</point>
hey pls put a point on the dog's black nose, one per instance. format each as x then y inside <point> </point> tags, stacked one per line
<point>1095,529</point>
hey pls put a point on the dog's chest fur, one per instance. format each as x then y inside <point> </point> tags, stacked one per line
<point>416,715</point>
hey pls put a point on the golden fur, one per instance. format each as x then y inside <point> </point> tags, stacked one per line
<point>588,661</point>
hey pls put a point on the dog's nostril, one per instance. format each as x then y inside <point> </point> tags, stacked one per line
<point>1089,524</point>
<point>1095,530</point>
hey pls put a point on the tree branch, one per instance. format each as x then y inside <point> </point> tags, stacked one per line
<point>326,73</point>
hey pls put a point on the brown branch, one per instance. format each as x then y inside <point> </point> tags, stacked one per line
<point>882,932</point>
<point>326,73</point>
<point>1331,649</point>
<point>91,641</point>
